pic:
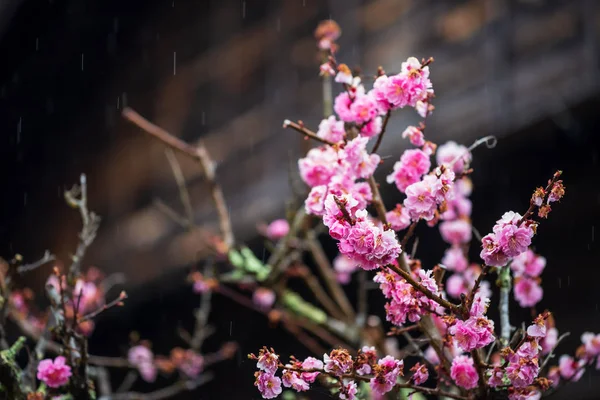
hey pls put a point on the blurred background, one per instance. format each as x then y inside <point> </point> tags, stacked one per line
<point>228,72</point>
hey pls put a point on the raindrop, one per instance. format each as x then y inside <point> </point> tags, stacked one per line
<point>203,118</point>
<point>243,9</point>
<point>82,61</point>
<point>278,24</point>
<point>230,327</point>
<point>303,3</point>
<point>173,4</point>
<point>19,126</point>
<point>115,24</point>
<point>174,63</point>
<point>124,99</point>
<point>593,228</point>
<point>559,283</point>
<point>118,101</point>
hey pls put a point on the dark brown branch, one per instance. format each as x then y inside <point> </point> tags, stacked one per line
<point>306,132</point>
<point>383,127</point>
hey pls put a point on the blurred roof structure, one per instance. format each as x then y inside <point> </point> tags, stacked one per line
<point>229,72</point>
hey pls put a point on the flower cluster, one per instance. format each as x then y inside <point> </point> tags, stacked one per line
<point>405,302</point>
<point>527,268</point>
<point>381,374</point>
<point>54,373</point>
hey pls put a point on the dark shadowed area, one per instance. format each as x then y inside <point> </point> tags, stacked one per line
<point>228,72</point>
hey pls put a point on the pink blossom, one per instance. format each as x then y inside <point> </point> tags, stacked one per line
<point>268,384</point>
<point>263,298</point>
<point>402,176</point>
<point>359,162</point>
<point>521,371</point>
<point>514,240</point>
<point>456,232</point>
<point>372,128</point>
<point>420,201</point>
<point>319,165</point>
<point>569,368</point>
<point>292,379</point>
<point>455,285</point>
<point>342,105</point>
<point>192,364</point>
<point>344,267</point>
<point>311,363</point>
<point>415,135</point>
<point>267,361</point>
<point>278,229</point>
<point>431,355</point>
<point>344,76</point>
<point>423,108</point>
<point>139,355</point>
<point>497,377</point>
<point>315,202</point>
<point>408,87</point>
<point>398,218</point>
<point>536,330</point>
<point>363,109</point>
<point>91,296</point>
<point>147,371</point>
<point>527,393</point>
<point>463,372</point>
<point>491,252</point>
<point>386,374</point>
<point>527,292</point>
<point>364,360</point>
<point>338,362</point>
<point>331,129</point>
<point>348,391</point>
<point>528,263</point>
<point>417,160</point>
<point>474,333</point>
<point>54,373</point>
<point>405,302</point>
<point>454,259</point>
<point>368,245</point>
<point>420,373</point>
<point>142,358</point>
<point>549,341</point>
<point>451,151</point>
<point>326,69</point>
<point>480,304</point>
<point>591,343</point>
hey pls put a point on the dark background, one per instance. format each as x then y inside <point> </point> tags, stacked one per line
<point>240,68</point>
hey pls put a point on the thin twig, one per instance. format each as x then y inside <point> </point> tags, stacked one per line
<point>77,197</point>
<point>30,267</point>
<point>184,195</point>
<point>327,273</point>
<point>315,286</point>
<point>306,132</point>
<point>165,393</point>
<point>116,302</point>
<point>551,354</point>
<point>198,153</point>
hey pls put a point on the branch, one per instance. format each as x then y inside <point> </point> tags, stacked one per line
<point>306,132</point>
<point>326,272</point>
<point>169,391</point>
<point>380,137</point>
<point>77,198</point>
<point>504,281</point>
<point>30,267</point>
<point>198,153</point>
